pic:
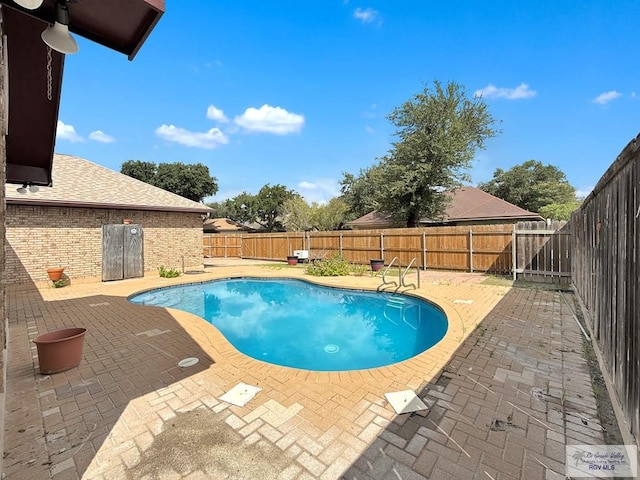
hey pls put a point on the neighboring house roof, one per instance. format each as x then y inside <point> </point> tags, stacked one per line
<point>470,203</point>
<point>80,183</point>
<point>373,220</point>
<point>467,204</point>
<point>214,225</point>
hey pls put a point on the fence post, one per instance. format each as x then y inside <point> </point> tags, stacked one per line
<point>514,256</point>
<point>225,246</point>
<point>382,245</point>
<point>471,250</point>
<point>340,243</point>
<point>424,250</point>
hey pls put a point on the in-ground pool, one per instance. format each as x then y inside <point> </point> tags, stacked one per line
<point>302,325</point>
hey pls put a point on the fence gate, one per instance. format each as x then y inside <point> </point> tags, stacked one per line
<point>121,252</point>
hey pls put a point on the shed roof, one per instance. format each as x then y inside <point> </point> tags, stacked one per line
<point>81,183</point>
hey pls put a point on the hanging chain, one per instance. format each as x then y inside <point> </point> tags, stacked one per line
<point>49,76</point>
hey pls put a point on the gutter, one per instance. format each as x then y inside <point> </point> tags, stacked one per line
<point>109,206</point>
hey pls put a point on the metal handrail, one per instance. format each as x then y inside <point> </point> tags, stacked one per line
<point>384,274</point>
<point>405,273</point>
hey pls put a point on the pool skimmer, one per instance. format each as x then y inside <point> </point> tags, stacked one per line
<point>405,402</point>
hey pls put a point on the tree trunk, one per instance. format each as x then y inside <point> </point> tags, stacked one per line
<point>413,220</point>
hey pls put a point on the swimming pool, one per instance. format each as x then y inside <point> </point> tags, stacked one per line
<point>298,324</point>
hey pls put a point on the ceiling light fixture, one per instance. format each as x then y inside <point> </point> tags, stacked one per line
<point>29,4</point>
<point>31,188</point>
<point>57,36</point>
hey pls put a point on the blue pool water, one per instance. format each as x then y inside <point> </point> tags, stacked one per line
<point>298,324</point>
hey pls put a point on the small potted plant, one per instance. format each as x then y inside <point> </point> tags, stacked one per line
<point>292,259</point>
<point>376,264</point>
<point>55,273</point>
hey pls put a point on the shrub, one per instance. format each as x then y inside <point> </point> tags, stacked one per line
<point>359,270</point>
<point>168,272</point>
<point>57,283</point>
<point>335,266</point>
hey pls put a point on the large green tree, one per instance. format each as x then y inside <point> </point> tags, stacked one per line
<point>559,211</point>
<point>296,215</point>
<point>191,181</point>
<point>144,171</point>
<point>439,130</point>
<point>240,208</point>
<point>329,216</point>
<point>531,185</point>
<point>269,204</point>
<point>361,193</point>
<point>265,208</point>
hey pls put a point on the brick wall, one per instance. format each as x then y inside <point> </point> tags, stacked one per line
<point>41,237</point>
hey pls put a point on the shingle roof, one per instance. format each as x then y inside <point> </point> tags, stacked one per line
<point>80,183</point>
<point>223,224</point>
<point>467,204</point>
<point>470,203</point>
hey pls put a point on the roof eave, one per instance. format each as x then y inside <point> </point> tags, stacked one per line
<point>104,206</point>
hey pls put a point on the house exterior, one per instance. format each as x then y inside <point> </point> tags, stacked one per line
<point>62,225</point>
<point>26,149</point>
<point>467,206</point>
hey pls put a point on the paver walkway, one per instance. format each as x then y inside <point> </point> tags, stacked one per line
<point>507,389</point>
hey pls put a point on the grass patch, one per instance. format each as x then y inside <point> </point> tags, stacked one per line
<point>497,281</point>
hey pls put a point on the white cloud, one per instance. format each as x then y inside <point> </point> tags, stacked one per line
<point>67,132</point>
<point>271,120</point>
<point>366,15</point>
<point>100,136</point>
<point>208,140</point>
<point>606,97</point>
<point>583,192</point>
<point>321,190</point>
<point>216,114</point>
<point>517,93</point>
<point>369,129</point>
<point>633,95</point>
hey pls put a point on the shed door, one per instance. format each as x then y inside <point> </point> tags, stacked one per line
<point>121,252</point>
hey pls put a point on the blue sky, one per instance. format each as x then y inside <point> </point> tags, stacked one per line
<point>297,92</point>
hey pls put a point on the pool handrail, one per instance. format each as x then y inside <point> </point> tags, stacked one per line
<point>402,282</point>
<point>384,273</point>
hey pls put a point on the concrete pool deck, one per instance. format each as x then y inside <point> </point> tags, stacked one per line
<point>507,388</point>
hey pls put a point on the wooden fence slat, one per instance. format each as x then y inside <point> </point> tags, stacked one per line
<point>605,236</point>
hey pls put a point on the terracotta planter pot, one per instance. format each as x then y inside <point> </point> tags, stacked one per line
<point>376,264</point>
<point>55,273</point>
<point>60,350</point>
<point>292,260</point>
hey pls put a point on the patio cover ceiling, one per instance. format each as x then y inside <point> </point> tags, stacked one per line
<point>122,25</point>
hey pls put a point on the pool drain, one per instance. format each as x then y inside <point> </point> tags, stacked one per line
<point>331,348</point>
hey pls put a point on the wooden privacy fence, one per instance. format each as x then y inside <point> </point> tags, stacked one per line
<point>541,253</point>
<point>606,275</point>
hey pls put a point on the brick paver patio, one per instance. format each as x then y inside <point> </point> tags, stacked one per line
<point>507,388</point>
